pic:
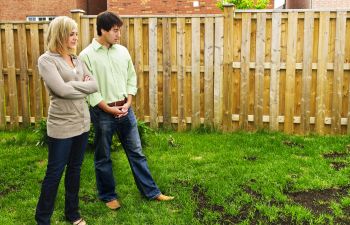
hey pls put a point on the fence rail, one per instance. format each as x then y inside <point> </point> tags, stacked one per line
<point>280,70</point>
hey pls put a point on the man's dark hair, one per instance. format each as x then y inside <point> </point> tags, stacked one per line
<point>106,20</point>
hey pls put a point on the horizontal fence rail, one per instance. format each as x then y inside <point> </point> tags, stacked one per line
<point>278,70</point>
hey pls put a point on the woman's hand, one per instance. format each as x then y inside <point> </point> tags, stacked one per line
<point>86,78</point>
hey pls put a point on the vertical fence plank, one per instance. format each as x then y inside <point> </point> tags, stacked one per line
<point>85,32</point>
<point>166,73</point>
<point>23,60</point>
<point>322,71</point>
<point>181,73</point>
<point>2,89</point>
<point>153,73</point>
<point>208,72</point>
<point>245,70</point>
<point>275,70</point>
<point>307,71</point>
<point>195,72</point>
<point>76,15</point>
<point>228,71</point>
<point>290,72</point>
<point>125,33</point>
<point>338,76</point>
<point>218,72</point>
<point>259,69</point>
<point>34,35</point>
<point>140,97</point>
<point>94,27</point>
<point>11,74</point>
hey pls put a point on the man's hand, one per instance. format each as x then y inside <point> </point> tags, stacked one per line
<point>117,111</point>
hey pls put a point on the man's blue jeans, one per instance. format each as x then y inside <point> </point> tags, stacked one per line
<point>105,126</point>
<point>62,152</point>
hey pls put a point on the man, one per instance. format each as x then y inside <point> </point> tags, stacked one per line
<point>111,65</point>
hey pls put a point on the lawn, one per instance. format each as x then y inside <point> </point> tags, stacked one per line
<point>238,178</point>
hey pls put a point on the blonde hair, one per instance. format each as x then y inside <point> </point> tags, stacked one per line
<point>58,34</point>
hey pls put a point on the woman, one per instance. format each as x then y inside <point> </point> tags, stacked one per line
<point>68,82</point>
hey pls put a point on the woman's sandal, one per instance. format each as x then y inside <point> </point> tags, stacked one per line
<point>80,221</point>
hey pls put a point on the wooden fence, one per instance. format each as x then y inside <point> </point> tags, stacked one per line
<point>280,70</point>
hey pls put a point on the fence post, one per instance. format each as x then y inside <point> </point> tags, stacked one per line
<point>76,15</point>
<point>227,67</point>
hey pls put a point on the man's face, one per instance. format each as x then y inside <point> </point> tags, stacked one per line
<point>112,36</point>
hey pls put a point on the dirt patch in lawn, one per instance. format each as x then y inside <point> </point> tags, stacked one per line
<point>250,158</point>
<point>8,189</point>
<point>203,204</point>
<point>247,212</point>
<point>293,144</point>
<point>318,201</point>
<point>88,199</point>
<point>333,155</point>
<point>338,165</point>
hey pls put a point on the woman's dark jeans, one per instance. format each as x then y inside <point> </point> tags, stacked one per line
<point>68,152</point>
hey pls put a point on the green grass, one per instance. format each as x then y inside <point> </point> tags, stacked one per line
<point>244,178</point>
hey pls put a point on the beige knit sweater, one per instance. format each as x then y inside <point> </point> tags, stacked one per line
<point>68,114</point>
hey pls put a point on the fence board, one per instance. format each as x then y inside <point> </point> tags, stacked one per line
<point>125,33</point>
<point>307,71</point>
<point>218,73</point>
<point>181,73</point>
<point>322,71</point>
<point>259,71</point>
<point>153,73</point>
<point>2,89</point>
<point>245,59</point>
<point>338,75</point>
<point>11,74</point>
<point>34,34</point>
<point>166,73</point>
<point>209,72</point>
<point>290,72</point>
<point>195,72</point>
<point>85,33</point>
<point>24,79</point>
<point>275,70</point>
<point>227,70</point>
<point>140,99</point>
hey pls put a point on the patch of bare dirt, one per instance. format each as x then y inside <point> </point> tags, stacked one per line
<point>333,155</point>
<point>88,199</point>
<point>318,201</point>
<point>9,189</point>
<point>293,144</point>
<point>250,158</point>
<point>338,165</point>
<point>203,203</point>
<point>246,213</point>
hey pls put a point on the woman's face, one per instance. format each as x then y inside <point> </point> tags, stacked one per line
<point>72,39</point>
